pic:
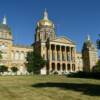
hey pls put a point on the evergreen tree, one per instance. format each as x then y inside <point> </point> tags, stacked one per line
<point>34,62</point>
<point>98,43</point>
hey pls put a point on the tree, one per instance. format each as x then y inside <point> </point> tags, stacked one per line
<point>14,69</point>
<point>97,67</point>
<point>3,69</point>
<point>0,54</point>
<point>34,62</point>
<point>98,43</point>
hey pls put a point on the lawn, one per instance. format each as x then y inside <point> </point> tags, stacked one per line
<point>48,88</point>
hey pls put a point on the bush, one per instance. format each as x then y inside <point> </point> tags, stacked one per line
<point>55,73</point>
<point>3,69</point>
<point>14,69</point>
<point>97,67</point>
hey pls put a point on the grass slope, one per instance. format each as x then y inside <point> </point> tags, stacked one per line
<point>48,88</point>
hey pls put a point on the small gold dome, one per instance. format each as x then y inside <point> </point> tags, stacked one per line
<point>45,21</point>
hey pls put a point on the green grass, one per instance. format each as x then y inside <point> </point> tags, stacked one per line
<point>48,88</point>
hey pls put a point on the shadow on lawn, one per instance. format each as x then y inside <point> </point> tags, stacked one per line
<point>87,89</point>
<point>88,75</point>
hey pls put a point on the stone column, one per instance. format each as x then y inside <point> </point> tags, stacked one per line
<point>55,66</point>
<point>75,58</point>
<point>70,54</point>
<point>60,54</point>
<point>55,54</point>
<point>50,57</point>
<point>66,67</point>
<point>55,58</point>
<point>64,53</point>
<point>71,67</point>
<point>73,54</point>
<point>61,67</point>
<point>50,68</point>
<point>50,53</point>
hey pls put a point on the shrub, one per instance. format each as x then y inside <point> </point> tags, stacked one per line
<point>3,69</point>
<point>14,69</point>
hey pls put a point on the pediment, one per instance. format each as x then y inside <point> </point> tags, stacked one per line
<point>63,40</point>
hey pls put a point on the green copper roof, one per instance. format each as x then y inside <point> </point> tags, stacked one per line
<point>5,27</point>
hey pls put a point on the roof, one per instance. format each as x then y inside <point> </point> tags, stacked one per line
<point>63,37</point>
<point>5,27</point>
<point>23,46</point>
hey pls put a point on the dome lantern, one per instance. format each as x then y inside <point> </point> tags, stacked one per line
<point>4,26</point>
<point>45,15</point>
<point>45,21</point>
<point>4,20</point>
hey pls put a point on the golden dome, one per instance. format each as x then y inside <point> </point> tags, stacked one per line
<point>45,21</point>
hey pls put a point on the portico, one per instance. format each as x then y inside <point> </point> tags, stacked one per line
<point>61,57</point>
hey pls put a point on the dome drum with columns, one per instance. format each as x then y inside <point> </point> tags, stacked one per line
<point>45,29</point>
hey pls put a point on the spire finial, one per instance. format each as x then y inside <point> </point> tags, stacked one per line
<point>45,14</point>
<point>88,37</point>
<point>4,20</point>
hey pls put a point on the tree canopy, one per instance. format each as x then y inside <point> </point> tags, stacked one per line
<point>98,42</point>
<point>34,62</point>
<point>0,54</point>
<point>97,67</point>
<point>3,68</point>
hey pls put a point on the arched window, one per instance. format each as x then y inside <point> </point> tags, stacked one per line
<point>58,67</point>
<point>22,56</point>
<point>73,67</point>
<point>17,55</point>
<point>68,67</point>
<point>12,55</point>
<point>53,66</point>
<point>63,67</point>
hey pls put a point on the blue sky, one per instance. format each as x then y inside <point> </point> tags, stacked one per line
<point>72,18</point>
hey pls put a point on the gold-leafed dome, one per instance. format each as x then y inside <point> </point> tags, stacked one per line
<point>45,21</point>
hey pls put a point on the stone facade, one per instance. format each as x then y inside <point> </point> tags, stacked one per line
<point>89,54</point>
<point>79,61</point>
<point>60,52</point>
<point>12,55</point>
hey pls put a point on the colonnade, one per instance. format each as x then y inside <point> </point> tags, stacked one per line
<point>61,58</point>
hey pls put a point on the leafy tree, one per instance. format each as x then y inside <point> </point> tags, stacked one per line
<point>34,62</point>
<point>3,69</point>
<point>14,69</point>
<point>97,67</point>
<point>98,43</point>
<point>0,54</point>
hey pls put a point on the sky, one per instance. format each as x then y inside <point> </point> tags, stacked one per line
<point>74,19</point>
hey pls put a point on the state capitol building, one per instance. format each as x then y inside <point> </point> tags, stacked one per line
<point>60,52</point>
